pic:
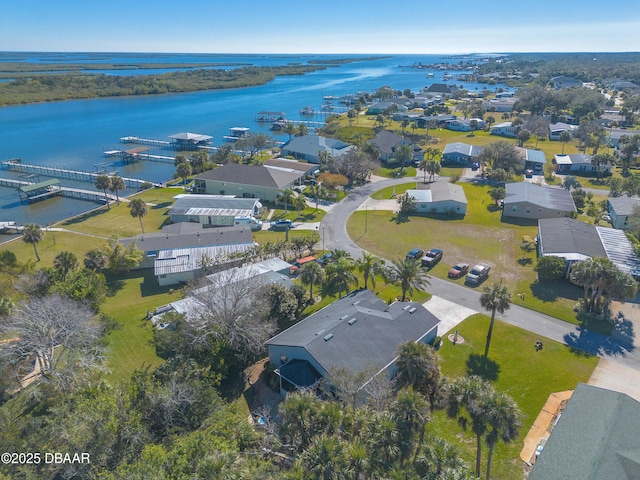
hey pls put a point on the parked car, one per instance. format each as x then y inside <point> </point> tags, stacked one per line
<point>458,270</point>
<point>415,254</point>
<point>324,259</point>
<point>281,225</point>
<point>478,274</point>
<point>298,264</point>
<point>432,257</point>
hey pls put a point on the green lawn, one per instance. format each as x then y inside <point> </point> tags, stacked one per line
<point>309,214</point>
<point>515,368</point>
<point>479,237</point>
<point>387,193</point>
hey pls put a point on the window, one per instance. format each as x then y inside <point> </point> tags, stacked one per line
<point>515,208</point>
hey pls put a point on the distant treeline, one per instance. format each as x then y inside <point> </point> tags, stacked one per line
<point>45,88</point>
<point>23,67</point>
<point>587,67</point>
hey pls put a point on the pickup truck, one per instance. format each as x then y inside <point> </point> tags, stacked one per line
<point>478,274</point>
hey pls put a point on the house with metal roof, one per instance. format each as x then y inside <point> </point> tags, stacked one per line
<point>307,147</point>
<point>528,200</point>
<point>355,332</point>
<point>442,198</point>
<point>499,105</point>
<point>575,241</point>
<point>212,210</point>
<point>620,208</point>
<point>578,163</point>
<point>460,154</point>
<point>247,181</point>
<point>176,253</point>
<point>504,129</point>
<point>465,125</point>
<point>533,159</point>
<point>286,164</point>
<point>595,438</point>
<point>270,271</point>
<point>189,141</point>
<point>555,129</point>
<point>387,142</point>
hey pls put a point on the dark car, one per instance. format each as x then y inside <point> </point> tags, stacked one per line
<point>415,254</point>
<point>432,257</point>
<point>478,274</point>
<point>281,225</point>
<point>458,270</point>
<point>324,259</point>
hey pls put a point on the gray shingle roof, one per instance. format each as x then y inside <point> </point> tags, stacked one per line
<point>623,205</point>
<point>358,330</point>
<point>553,198</point>
<point>596,438</point>
<point>566,235</point>
<point>311,144</point>
<point>251,175</point>
<point>387,141</point>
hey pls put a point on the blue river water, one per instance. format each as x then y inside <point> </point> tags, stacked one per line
<point>74,134</point>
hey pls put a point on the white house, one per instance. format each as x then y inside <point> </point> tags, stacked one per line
<point>442,198</point>
<point>212,210</point>
<point>620,208</point>
<point>578,163</point>
<point>504,129</point>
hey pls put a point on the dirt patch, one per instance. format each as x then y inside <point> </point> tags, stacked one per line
<point>260,397</point>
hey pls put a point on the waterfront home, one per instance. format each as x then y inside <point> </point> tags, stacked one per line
<point>247,181</point>
<point>356,332</point>
<point>531,201</point>
<point>441,198</point>
<point>189,141</point>
<point>212,210</point>
<point>308,147</point>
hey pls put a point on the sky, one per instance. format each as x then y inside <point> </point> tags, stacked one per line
<point>320,26</point>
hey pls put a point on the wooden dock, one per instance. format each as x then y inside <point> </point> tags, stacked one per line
<point>55,172</point>
<point>146,141</point>
<point>52,190</point>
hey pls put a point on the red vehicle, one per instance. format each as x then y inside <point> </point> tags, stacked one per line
<point>297,265</point>
<point>458,270</point>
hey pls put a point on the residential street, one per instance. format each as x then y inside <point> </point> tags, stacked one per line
<point>621,347</point>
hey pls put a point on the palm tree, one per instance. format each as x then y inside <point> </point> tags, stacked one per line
<point>137,208</point>
<point>184,170</point>
<point>564,137</point>
<point>117,184</point>
<point>33,234</point>
<point>95,259</point>
<point>423,166</point>
<point>325,457</point>
<point>340,274</point>
<point>290,129</point>
<point>411,413</point>
<point>585,274</point>
<point>503,418</point>
<point>310,273</point>
<point>65,262</point>
<point>405,123</point>
<point>285,196</point>
<point>303,130</point>
<point>417,367</point>
<point>299,203</point>
<point>103,182</point>
<point>495,298</point>
<point>433,168</point>
<point>466,395</point>
<point>370,266</point>
<point>403,154</point>
<point>409,274</point>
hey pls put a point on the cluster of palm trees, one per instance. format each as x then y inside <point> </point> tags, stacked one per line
<point>113,183</point>
<point>339,273</point>
<point>336,439</point>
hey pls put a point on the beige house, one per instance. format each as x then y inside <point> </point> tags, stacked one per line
<point>247,181</point>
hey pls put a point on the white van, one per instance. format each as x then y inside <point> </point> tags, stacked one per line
<point>250,221</point>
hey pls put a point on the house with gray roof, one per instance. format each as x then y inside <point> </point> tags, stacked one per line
<point>387,142</point>
<point>531,201</point>
<point>308,147</point>
<point>441,198</point>
<point>212,210</point>
<point>578,163</point>
<point>309,169</point>
<point>533,159</point>
<point>575,241</point>
<point>499,105</point>
<point>247,181</point>
<point>460,154</point>
<point>555,129</point>
<point>504,129</point>
<point>465,124</point>
<point>595,438</point>
<point>620,208</point>
<point>441,88</point>
<point>564,81</point>
<point>355,332</point>
<point>176,253</point>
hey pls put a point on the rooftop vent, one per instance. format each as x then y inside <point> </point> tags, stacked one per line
<point>344,317</point>
<point>319,332</point>
<point>408,306</point>
<point>352,321</point>
<point>356,302</point>
<point>328,337</point>
<point>413,310</point>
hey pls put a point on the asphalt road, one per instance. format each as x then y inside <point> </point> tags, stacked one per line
<point>619,347</point>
